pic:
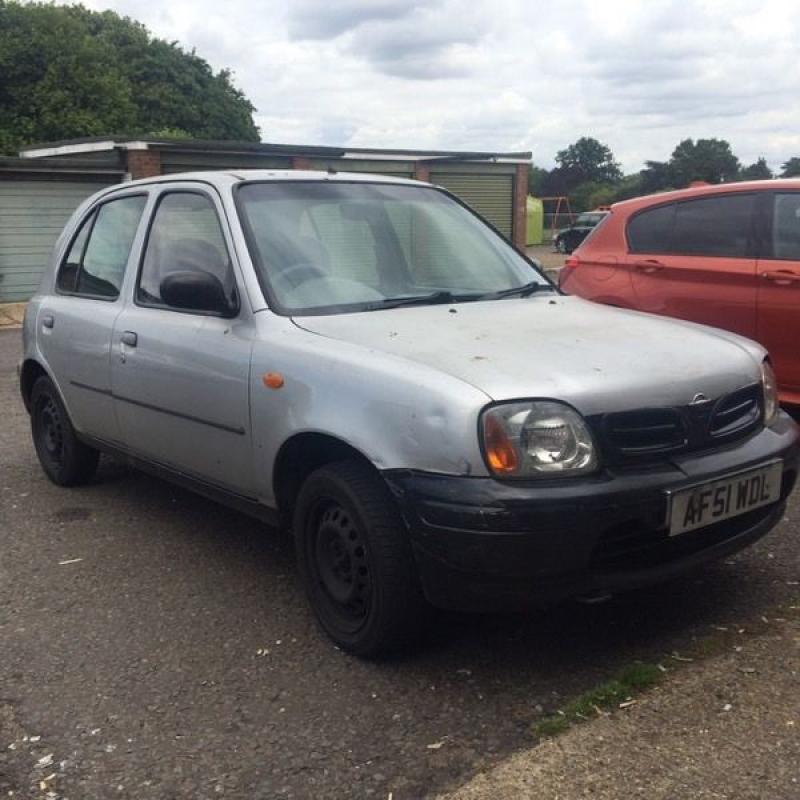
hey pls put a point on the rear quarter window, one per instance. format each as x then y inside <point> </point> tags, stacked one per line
<point>650,231</point>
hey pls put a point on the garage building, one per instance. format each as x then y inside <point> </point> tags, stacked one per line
<point>39,190</point>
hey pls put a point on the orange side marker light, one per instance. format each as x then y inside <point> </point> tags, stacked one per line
<point>272,380</point>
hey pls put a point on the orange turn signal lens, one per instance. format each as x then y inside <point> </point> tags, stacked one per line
<point>272,380</point>
<point>500,452</point>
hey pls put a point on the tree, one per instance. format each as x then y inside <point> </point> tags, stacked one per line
<point>656,177</point>
<point>70,72</point>
<point>708,160</point>
<point>588,160</point>
<point>536,180</point>
<point>590,195</point>
<point>791,168</point>
<point>758,171</point>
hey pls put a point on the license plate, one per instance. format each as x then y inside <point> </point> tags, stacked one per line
<point>724,498</point>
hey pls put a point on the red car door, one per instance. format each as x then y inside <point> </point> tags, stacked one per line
<point>694,260</point>
<point>779,294</point>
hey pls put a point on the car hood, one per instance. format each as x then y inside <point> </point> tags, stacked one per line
<point>595,357</point>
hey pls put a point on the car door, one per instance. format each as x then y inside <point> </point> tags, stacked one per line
<point>76,320</point>
<point>180,378</point>
<point>695,260</point>
<point>779,291</point>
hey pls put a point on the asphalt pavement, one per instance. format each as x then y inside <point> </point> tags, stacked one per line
<point>156,645</point>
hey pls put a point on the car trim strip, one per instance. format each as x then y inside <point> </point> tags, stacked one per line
<point>238,430</point>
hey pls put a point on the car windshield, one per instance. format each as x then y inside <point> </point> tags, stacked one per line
<point>324,247</point>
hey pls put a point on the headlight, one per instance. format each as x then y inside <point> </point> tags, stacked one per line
<point>536,438</point>
<point>770,393</point>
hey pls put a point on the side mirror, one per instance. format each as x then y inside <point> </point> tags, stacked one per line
<point>195,291</point>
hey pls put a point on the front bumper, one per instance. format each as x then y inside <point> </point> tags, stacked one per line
<point>484,544</point>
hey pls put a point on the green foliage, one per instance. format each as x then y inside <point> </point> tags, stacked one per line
<point>757,171</point>
<point>629,681</point>
<point>592,194</point>
<point>536,180</point>
<point>655,177</point>
<point>791,168</point>
<point>70,72</point>
<point>588,160</point>
<point>708,160</point>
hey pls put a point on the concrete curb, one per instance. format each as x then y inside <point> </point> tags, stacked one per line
<point>11,315</point>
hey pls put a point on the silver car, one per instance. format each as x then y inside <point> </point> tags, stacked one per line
<point>366,361</point>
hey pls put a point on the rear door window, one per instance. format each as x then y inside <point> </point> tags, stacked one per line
<point>714,226</point>
<point>786,227</point>
<point>96,260</point>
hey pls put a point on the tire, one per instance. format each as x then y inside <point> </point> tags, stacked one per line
<point>64,458</point>
<point>561,246</point>
<point>355,560</point>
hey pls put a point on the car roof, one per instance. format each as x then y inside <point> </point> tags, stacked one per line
<point>228,177</point>
<point>774,184</point>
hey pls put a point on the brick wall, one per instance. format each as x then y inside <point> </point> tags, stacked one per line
<point>143,163</point>
<point>519,220</point>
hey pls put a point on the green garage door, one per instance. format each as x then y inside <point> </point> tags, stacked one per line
<point>490,195</point>
<point>32,214</point>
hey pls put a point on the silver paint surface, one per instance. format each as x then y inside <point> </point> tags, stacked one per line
<point>404,387</point>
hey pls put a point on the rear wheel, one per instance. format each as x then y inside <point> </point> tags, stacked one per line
<point>561,246</point>
<point>355,560</point>
<point>64,458</point>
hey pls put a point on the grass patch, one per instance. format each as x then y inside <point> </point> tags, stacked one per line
<point>626,684</point>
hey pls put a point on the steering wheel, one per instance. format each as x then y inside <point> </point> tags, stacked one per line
<point>300,273</point>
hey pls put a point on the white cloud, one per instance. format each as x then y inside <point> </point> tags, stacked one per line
<point>505,75</point>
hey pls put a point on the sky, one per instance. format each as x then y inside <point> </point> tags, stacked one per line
<point>505,75</point>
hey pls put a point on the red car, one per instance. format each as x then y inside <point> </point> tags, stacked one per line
<point>726,255</point>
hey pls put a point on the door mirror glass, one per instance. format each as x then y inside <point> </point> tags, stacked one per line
<point>195,290</point>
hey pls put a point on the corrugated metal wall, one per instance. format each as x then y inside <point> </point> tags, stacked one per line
<point>173,161</point>
<point>492,196</point>
<point>32,214</point>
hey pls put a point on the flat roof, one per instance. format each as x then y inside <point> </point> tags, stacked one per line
<point>93,144</point>
<point>61,165</point>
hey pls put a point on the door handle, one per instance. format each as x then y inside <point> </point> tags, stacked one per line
<point>648,266</point>
<point>780,277</point>
<point>48,320</point>
<point>129,338</point>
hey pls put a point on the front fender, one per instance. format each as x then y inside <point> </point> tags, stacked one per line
<point>396,412</point>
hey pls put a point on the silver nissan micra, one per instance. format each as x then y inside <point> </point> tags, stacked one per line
<point>367,362</point>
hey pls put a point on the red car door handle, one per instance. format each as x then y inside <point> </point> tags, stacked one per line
<point>781,278</point>
<point>648,266</point>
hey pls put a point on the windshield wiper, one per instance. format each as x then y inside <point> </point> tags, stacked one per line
<point>525,290</point>
<point>414,300</point>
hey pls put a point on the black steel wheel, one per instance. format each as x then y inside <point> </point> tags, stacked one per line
<point>355,560</point>
<point>340,563</point>
<point>64,458</point>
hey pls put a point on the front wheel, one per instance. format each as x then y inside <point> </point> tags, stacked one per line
<point>355,560</point>
<point>64,458</point>
<point>561,246</point>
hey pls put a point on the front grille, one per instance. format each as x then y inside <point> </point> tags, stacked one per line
<point>646,432</point>
<point>650,433</point>
<point>736,412</point>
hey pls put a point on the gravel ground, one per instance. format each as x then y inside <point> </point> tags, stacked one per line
<point>726,729</point>
<point>546,256</point>
<point>155,645</point>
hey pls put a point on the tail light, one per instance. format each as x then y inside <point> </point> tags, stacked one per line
<point>570,264</point>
